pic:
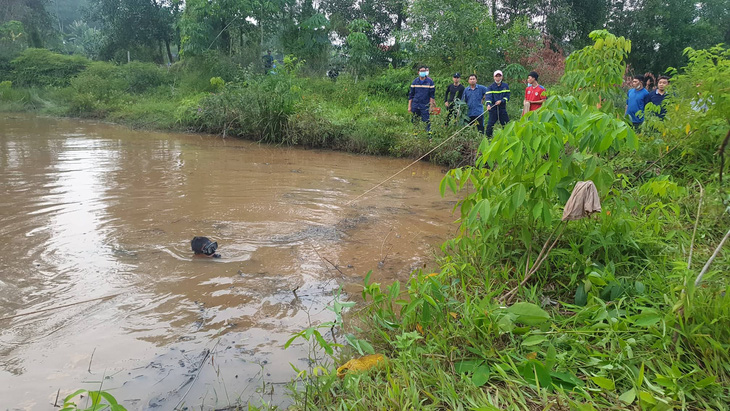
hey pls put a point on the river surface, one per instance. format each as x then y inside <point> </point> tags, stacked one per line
<point>90,210</point>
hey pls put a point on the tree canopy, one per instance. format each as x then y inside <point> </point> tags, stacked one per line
<point>466,35</point>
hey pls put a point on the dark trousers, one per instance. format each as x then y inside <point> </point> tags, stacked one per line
<point>497,113</point>
<point>424,115</point>
<point>480,122</point>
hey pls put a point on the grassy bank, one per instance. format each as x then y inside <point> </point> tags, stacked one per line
<point>213,95</point>
<point>623,309</point>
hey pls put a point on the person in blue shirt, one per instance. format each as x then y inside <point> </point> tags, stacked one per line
<point>422,96</point>
<point>497,98</point>
<point>656,96</point>
<point>474,96</point>
<point>635,101</point>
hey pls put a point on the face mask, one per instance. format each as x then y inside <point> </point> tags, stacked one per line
<point>423,73</point>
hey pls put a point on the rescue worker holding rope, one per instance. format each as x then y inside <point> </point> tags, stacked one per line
<point>421,97</point>
<point>497,98</point>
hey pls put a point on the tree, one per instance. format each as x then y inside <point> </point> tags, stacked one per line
<point>39,27</point>
<point>12,42</point>
<point>359,48</point>
<point>661,29</point>
<point>532,164</point>
<point>82,39</point>
<point>461,35</point>
<point>307,36</point>
<point>386,19</point>
<point>232,26</point>
<point>137,24</point>
<point>66,12</point>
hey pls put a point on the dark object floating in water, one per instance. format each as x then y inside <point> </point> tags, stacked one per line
<point>204,247</point>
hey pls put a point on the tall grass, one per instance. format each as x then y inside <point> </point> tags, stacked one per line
<point>367,117</point>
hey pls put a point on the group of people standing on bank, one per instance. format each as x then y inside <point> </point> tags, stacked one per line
<point>421,99</point>
<point>642,92</point>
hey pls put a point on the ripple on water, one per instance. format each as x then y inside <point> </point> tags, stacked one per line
<point>95,210</point>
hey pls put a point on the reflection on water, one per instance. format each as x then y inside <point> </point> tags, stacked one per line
<point>89,210</point>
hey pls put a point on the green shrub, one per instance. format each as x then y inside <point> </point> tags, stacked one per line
<point>188,108</point>
<point>194,73</point>
<point>144,76</point>
<point>259,111</point>
<point>217,83</point>
<point>41,67</point>
<point>102,81</point>
<point>393,82</point>
<point>311,127</point>
<point>95,88</point>
<point>5,88</point>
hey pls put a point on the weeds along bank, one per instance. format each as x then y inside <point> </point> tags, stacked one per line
<point>212,94</point>
<point>627,308</point>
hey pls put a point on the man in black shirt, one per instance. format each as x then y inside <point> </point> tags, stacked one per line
<point>454,91</point>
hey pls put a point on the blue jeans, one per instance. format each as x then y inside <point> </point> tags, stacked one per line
<point>424,114</point>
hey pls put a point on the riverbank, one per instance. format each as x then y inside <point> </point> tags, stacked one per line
<point>626,308</point>
<point>368,116</point>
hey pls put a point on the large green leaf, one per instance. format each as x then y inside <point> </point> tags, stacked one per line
<point>605,383</point>
<point>481,375</point>
<point>518,197</point>
<point>534,340</point>
<point>528,313</point>
<point>628,397</point>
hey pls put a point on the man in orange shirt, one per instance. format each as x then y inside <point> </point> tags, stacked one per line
<point>533,94</point>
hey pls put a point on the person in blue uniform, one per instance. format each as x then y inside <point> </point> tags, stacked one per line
<point>421,97</point>
<point>497,98</point>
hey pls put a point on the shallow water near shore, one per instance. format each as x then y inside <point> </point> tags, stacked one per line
<point>90,210</point>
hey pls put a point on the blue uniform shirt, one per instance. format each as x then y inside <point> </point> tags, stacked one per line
<point>473,99</point>
<point>422,91</point>
<point>656,99</point>
<point>635,104</point>
<point>497,92</point>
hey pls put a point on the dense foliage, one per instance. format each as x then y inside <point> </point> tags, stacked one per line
<point>628,308</point>
<point>462,35</point>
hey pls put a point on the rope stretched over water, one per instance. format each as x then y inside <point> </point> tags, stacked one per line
<point>414,162</point>
<point>59,307</point>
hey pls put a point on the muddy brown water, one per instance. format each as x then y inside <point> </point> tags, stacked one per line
<point>91,209</point>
